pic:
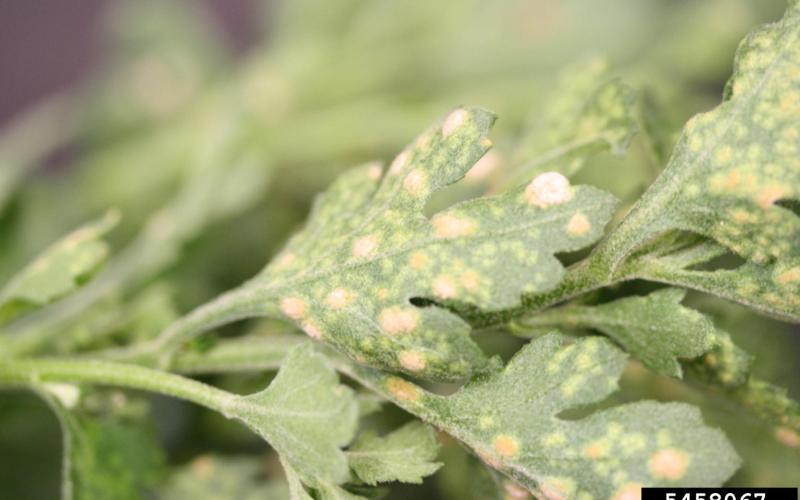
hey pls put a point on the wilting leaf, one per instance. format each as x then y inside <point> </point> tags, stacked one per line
<point>733,177</point>
<point>405,455</point>
<point>656,329</point>
<point>351,277</point>
<point>58,271</point>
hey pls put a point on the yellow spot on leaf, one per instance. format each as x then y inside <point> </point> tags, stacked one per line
<point>578,225</point>
<point>364,247</point>
<point>453,121</point>
<point>415,182</point>
<point>402,390</point>
<point>396,320</point>
<point>293,307</point>
<point>630,491</point>
<point>450,226</point>
<point>506,446</point>
<point>769,195</point>
<point>312,330</point>
<point>399,162</point>
<point>418,260</point>
<point>444,288</point>
<point>789,276</point>
<point>338,298</point>
<point>412,361</point>
<point>470,280</point>
<point>670,464</point>
<point>596,450</point>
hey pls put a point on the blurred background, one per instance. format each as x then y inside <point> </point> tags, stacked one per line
<point>225,117</point>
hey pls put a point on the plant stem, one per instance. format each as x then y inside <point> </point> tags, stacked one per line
<point>35,371</point>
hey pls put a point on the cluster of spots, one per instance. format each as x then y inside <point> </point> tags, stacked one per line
<point>547,189</point>
<point>670,464</point>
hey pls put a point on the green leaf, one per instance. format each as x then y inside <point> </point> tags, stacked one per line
<point>405,455</point>
<point>655,329</point>
<point>58,271</point>
<point>104,459</point>
<point>306,415</point>
<point>211,477</point>
<point>733,177</point>
<point>727,367</point>
<point>513,420</point>
<point>589,112</point>
<point>351,276</point>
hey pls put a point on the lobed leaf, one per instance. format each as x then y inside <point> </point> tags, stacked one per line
<point>305,414</point>
<point>58,271</point>
<point>405,455</point>
<point>655,329</point>
<point>514,420</point>
<point>353,277</point>
<point>733,177</point>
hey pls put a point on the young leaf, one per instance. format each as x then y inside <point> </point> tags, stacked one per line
<point>103,459</point>
<point>405,455</point>
<point>512,420</point>
<point>368,251</point>
<point>588,113</point>
<point>58,271</point>
<point>305,414</point>
<point>655,329</point>
<point>730,176</point>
